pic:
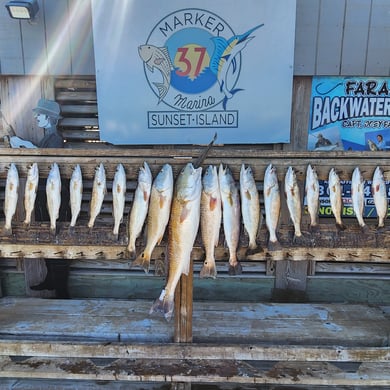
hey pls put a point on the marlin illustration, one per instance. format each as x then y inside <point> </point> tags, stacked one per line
<point>224,55</point>
<point>158,57</point>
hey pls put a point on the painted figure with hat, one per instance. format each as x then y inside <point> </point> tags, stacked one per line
<point>47,114</point>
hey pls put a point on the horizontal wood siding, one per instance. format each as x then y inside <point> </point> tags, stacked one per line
<point>333,37</point>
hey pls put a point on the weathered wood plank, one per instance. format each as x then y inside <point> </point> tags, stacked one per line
<point>216,323</point>
<point>197,371</point>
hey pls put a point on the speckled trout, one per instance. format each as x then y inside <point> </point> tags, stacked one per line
<point>335,197</point>
<point>231,216</point>
<point>118,197</point>
<point>30,192</point>
<point>158,214</point>
<point>182,230</point>
<point>53,196</point>
<point>293,198</point>
<point>272,205</point>
<point>75,194</point>
<point>250,207</point>
<point>210,219</point>
<point>99,190</point>
<point>357,195</point>
<point>312,189</point>
<point>139,208</point>
<point>380,197</point>
<point>11,197</point>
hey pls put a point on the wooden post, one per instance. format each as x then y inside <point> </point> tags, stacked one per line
<point>183,308</point>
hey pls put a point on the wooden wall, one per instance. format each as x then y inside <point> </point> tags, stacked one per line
<point>333,37</point>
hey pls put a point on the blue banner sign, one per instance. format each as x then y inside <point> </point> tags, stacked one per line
<point>349,113</point>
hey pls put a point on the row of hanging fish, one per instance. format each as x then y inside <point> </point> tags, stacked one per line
<point>53,195</point>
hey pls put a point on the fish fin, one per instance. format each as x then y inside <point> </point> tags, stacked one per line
<point>158,61</point>
<point>213,203</point>
<point>377,188</point>
<point>230,199</point>
<point>248,195</point>
<point>162,200</point>
<point>184,213</point>
<point>150,67</point>
<point>146,196</point>
<point>143,260</point>
<point>208,270</point>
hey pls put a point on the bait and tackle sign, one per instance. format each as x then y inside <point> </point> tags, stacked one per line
<point>350,113</point>
<point>179,71</point>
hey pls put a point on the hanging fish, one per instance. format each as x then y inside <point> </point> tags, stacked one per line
<point>231,216</point>
<point>158,214</point>
<point>139,208</point>
<point>210,219</point>
<point>272,205</point>
<point>11,197</point>
<point>380,196</point>
<point>118,197</point>
<point>335,197</point>
<point>75,194</point>
<point>312,189</point>
<point>182,230</point>
<point>53,196</point>
<point>30,192</point>
<point>293,198</point>
<point>99,190</point>
<point>357,195</point>
<point>250,207</point>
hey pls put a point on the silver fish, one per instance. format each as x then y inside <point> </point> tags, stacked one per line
<point>250,206</point>
<point>231,215</point>
<point>312,189</point>
<point>99,190</point>
<point>158,57</point>
<point>75,194</point>
<point>210,219</point>
<point>11,197</point>
<point>118,197</point>
<point>139,208</point>
<point>357,195</point>
<point>293,198</point>
<point>380,196</point>
<point>53,195</point>
<point>372,146</point>
<point>182,230</point>
<point>335,197</point>
<point>158,214</point>
<point>272,205</point>
<point>30,192</point>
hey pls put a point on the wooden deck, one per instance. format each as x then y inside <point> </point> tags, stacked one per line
<point>242,343</point>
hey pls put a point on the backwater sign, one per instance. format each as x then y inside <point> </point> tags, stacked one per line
<point>180,71</point>
<point>350,113</point>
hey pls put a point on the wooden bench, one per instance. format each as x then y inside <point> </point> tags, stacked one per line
<point>228,336</point>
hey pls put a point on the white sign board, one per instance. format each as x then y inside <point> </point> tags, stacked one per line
<point>177,72</point>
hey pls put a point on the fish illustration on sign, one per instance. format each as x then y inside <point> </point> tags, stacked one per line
<point>158,57</point>
<point>225,55</point>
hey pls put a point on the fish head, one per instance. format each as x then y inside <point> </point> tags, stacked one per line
<point>164,178</point>
<point>290,178</point>
<point>270,176</point>
<point>146,52</point>
<point>33,171</point>
<point>226,180</point>
<point>188,184</point>
<point>333,177</point>
<point>210,179</point>
<point>378,174</point>
<point>145,177</point>
<point>247,180</point>
<point>357,176</point>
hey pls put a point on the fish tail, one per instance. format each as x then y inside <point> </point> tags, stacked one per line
<point>163,304</point>
<point>143,260</point>
<point>162,90</point>
<point>235,269</point>
<point>7,231</point>
<point>226,98</point>
<point>208,270</point>
<point>340,226</point>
